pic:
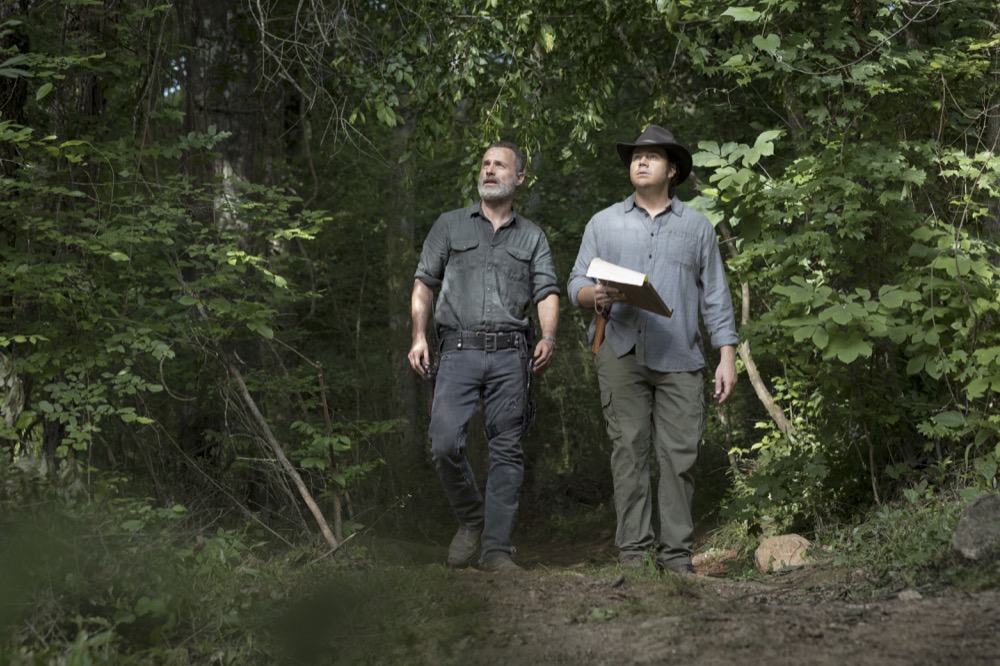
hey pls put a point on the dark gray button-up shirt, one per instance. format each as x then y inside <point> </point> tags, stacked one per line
<point>679,253</point>
<point>487,279</point>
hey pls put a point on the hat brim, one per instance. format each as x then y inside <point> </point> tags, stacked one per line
<point>679,155</point>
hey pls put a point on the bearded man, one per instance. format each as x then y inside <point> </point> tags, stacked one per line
<point>490,265</point>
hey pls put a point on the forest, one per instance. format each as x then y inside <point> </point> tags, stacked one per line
<point>210,217</point>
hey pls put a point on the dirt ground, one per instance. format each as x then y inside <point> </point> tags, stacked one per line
<point>565,610</point>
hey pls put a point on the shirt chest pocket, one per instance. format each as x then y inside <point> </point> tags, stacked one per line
<point>682,248</point>
<point>516,263</point>
<point>463,253</point>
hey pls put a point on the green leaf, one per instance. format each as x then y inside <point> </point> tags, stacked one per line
<point>312,463</point>
<point>767,44</point>
<point>977,387</point>
<point>804,332</point>
<point>838,313</point>
<point>950,419</point>
<point>987,355</point>
<point>767,138</point>
<point>821,338</point>
<point>261,329</point>
<point>796,294</point>
<point>43,90</point>
<point>743,14</point>
<point>15,60</point>
<point>132,525</point>
<point>916,364</point>
<point>548,38</point>
<point>847,350</point>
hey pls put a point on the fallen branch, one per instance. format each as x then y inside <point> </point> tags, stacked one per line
<point>282,458</point>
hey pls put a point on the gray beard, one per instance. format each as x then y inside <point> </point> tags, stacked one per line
<point>505,191</point>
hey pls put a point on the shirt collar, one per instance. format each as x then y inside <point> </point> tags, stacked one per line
<point>630,205</point>
<point>477,211</point>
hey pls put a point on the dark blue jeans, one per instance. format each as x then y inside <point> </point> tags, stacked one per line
<point>499,379</point>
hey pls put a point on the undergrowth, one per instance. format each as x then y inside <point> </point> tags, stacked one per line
<point>127,582</point>
<point>130,583</point>
<point>907,543</point>
<point>903,543</point>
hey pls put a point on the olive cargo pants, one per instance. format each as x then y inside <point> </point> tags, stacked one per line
<point>644,408</point>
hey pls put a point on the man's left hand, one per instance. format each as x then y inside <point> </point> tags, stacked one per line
<point>725,374</point>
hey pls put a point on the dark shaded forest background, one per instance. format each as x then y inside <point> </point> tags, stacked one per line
<point>210,215</point>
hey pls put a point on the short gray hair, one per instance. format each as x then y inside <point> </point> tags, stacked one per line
<point>520,161</point>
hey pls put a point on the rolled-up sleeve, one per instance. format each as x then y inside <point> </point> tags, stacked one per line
<point>543,272</point>
<point>434,255</point>
<point>578,275</point>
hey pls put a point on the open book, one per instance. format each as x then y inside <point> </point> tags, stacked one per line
<point>635,285</point>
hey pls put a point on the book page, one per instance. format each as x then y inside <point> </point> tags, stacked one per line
<point>605,270</point>
<point>635,285</point>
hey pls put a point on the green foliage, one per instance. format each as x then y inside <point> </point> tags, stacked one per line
<point>134,272</point>
<point>877,354</point>
<point>904,543</point>
<point>152,591</point>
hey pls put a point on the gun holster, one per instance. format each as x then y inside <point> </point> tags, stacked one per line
<point>530,407</point>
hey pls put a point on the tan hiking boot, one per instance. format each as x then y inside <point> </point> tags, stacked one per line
<point>632,560</point>
<point>501,564</point>
<point>464,546</point>
<point>682,570</point>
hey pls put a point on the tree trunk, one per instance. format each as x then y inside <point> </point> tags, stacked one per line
<point>992,134</point>
<point>410,395</point>
<point>763,394</point>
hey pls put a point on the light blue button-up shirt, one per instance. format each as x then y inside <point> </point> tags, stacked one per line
<point>679,253</point>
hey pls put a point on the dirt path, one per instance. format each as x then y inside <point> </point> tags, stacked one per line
<point>582,615</point>
<point>562,616</point>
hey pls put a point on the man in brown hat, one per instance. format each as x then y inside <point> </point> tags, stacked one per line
<point>651,367</point>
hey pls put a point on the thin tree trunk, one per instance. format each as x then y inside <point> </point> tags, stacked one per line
<point>402,260</point>
<point>763,394</point>
<point>992,134</point>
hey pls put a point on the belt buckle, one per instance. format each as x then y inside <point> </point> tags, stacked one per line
<point>490,342</point>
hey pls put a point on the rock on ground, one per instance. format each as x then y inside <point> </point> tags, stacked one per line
<point>977,536</point>
<point>781,552</point>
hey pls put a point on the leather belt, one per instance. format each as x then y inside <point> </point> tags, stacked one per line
<point>481,340</point>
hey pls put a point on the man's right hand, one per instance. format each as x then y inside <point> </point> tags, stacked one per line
<point>420,356</point>
<point>599,297</point>
<point>420,308</point>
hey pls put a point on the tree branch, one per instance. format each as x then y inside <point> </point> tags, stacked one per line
<point>282,458</point>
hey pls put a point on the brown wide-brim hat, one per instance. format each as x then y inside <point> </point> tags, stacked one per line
<point>654,135</point>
